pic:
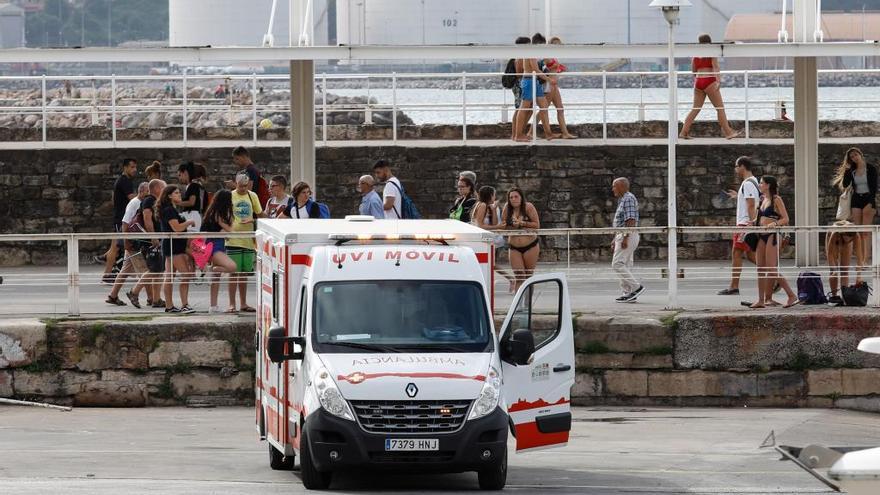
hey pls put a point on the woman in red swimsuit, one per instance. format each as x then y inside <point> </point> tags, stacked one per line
<point>707,85</point>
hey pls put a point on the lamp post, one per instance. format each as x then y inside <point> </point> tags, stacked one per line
<point>671,9</point>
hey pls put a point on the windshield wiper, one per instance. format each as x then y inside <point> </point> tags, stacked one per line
<point>364,346</point>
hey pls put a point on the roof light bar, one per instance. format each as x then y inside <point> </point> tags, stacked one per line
<point>391,237</point>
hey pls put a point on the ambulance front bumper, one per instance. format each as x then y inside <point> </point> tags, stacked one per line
<point>338,444</point>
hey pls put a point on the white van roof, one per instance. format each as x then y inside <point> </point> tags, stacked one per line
<point>320,231</point>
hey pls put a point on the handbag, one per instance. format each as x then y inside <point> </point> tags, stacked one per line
<point>856,295</point>
<point>844,204</point>
<point>201,251</point>
<point>154,258</point>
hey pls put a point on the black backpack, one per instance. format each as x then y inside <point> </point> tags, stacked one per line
<point>508,80</point>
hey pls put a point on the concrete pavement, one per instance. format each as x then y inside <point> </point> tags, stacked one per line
<point>33,290</point>
<point>612,451</point>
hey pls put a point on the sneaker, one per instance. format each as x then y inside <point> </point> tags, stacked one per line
<point>728,292</point>
<point>622,298</point>
<point>172,309</point>
<point>187,309</point>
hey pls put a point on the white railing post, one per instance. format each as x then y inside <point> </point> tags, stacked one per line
<point>324,107</point>
<point>254,104</point>
<point>875,266</point>
<point>185,113</point>
<point>604,106</point>
<point>568,251</point>
<point>394,106</point>
<point>504,107</point>
<point>73,276</point>
<point>463,108</point>
<point>113,107</point>
<point>368,113</point>
<point>535,108</point>
<point>746,88</point>
<point>43,105</point>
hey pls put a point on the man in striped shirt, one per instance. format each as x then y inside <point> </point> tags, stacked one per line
<point>625,244</point>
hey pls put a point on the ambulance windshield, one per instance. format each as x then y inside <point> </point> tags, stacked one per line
<point>401,315</point>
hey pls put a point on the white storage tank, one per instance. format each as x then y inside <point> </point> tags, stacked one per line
<point>237,23</point>
<point>433,22</point>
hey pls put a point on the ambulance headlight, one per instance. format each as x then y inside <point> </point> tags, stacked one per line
<point>330,397</point>
<point>488,399</point>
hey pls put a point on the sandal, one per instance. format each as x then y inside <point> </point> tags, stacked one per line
<point>248,309</point>
<point>114,301</point>
<point>134,299</point>
<point>231,311</point>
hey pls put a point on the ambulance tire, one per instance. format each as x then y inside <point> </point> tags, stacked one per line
<point>312,478</point>
<point>495,477</point>
<point>277,461</point>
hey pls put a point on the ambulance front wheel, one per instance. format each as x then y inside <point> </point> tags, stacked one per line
<point>312,478</point>
<point>277,461</point>
<point>495,477</point>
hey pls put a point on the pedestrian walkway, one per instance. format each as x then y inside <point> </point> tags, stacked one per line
<point>414,143</point>
<point>592,287</point>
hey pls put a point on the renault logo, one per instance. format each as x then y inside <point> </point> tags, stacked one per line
<point>411,390</point>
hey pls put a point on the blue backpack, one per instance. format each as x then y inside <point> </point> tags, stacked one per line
<point>810,288</point>
<point>315,209</point>
<point>408,209</point>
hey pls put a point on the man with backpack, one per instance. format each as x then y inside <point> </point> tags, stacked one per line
<point>746,213</point>
<point>242,159</point>
<point>395,202</point>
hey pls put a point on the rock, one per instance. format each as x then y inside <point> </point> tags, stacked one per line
<point>210,383</point>
<point>22,341</point>
<point>207,353</point>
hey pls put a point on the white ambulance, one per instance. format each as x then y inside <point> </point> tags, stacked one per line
<point>376,348</point>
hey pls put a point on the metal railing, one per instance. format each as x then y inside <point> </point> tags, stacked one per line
<point>248,92</point>
<point>577,271</point>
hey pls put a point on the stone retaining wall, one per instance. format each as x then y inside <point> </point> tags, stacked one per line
<point>70,190</point>
<point>800,359</point>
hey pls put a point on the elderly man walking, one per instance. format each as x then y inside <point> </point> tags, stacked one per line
<point>625,244</point>
<point>371,203</point>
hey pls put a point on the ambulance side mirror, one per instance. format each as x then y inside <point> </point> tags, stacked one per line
<point>283,348</point>
<point>519,348</point>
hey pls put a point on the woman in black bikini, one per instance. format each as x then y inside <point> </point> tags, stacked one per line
<point>519,214</point>
<point>771,214</point>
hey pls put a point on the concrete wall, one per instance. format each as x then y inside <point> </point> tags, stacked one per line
<point>70,190</point>
<point>802,359</point>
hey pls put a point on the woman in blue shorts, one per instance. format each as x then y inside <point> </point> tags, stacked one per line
<point>532,91</point>
<point>218,218</point>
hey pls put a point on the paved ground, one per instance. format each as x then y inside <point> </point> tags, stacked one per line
<point>34,290</point>
<point>613,451</point>
<point>421,143</point>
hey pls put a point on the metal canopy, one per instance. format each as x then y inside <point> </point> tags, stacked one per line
<point>459,52</point>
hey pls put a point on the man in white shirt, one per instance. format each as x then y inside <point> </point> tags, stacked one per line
<point>391,195</point>
<point>746,213</point>
<point>134,262</point>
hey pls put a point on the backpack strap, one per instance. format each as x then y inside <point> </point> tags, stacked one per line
<point>400,190</point>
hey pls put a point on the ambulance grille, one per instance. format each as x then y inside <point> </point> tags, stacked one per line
<point>411,416</point>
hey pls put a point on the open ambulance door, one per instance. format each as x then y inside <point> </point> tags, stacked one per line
<point>537,361</point>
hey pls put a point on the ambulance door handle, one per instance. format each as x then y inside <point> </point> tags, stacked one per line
<point>561,367</point>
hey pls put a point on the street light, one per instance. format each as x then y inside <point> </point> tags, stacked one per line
<point>671,10</point>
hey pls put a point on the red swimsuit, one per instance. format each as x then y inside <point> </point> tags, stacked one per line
<point>703,82</point>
